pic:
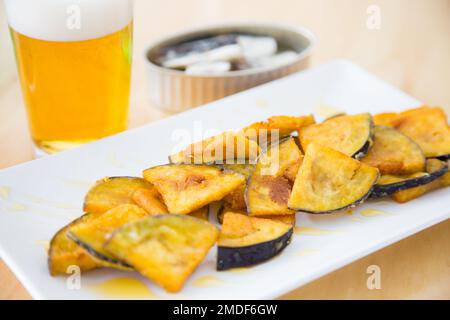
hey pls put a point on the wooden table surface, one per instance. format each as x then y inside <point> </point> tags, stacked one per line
<point>411,50</point>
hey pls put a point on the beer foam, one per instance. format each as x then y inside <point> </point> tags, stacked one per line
<point>68,20</point>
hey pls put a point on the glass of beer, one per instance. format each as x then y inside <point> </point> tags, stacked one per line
<point>74,60</point>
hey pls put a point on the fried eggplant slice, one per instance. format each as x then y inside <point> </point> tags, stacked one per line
<point>289,155</point>
<point>164,248</point>
<point>110,192</point>
<point>389,184</point>
<point>394,153</point>
<point>389,119</point>
<point>186,187</point>
<point>93,234</point>
<point>351,135</point>
<point>291,171</point>
<point>236,199</point>
<point>246,241</point>
<point>283,125</point>
<point>268,190</point>
<point>153,204</point>
<point>149,200</point>
<point>413,193</point>
<point>225,208</point>
<point>63,252</point>
<point>427,126</point>
<point>329,180</point>
<point>226,147</point>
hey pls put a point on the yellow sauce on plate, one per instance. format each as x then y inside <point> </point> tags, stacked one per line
<point>372,213</point>
<point>207,281</point>
<point>239,270</point>
<point>17,207</point>
<point>124,288</point>
<point>4,192</point>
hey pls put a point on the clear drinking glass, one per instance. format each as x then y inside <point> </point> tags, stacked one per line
<point>74,60</point>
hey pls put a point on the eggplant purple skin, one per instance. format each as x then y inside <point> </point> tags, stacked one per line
<point>364,149</point>
<point>444,157</point>
<point>237,257</point>
<point>219,214</point>
<point>388,189</point>
<point>96,254</point>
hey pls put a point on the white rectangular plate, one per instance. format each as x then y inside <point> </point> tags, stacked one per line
<point>39,197</point>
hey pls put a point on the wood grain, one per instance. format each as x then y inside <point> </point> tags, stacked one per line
<point>410,50</point>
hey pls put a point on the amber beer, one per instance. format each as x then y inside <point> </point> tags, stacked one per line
<point>75,78</point>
